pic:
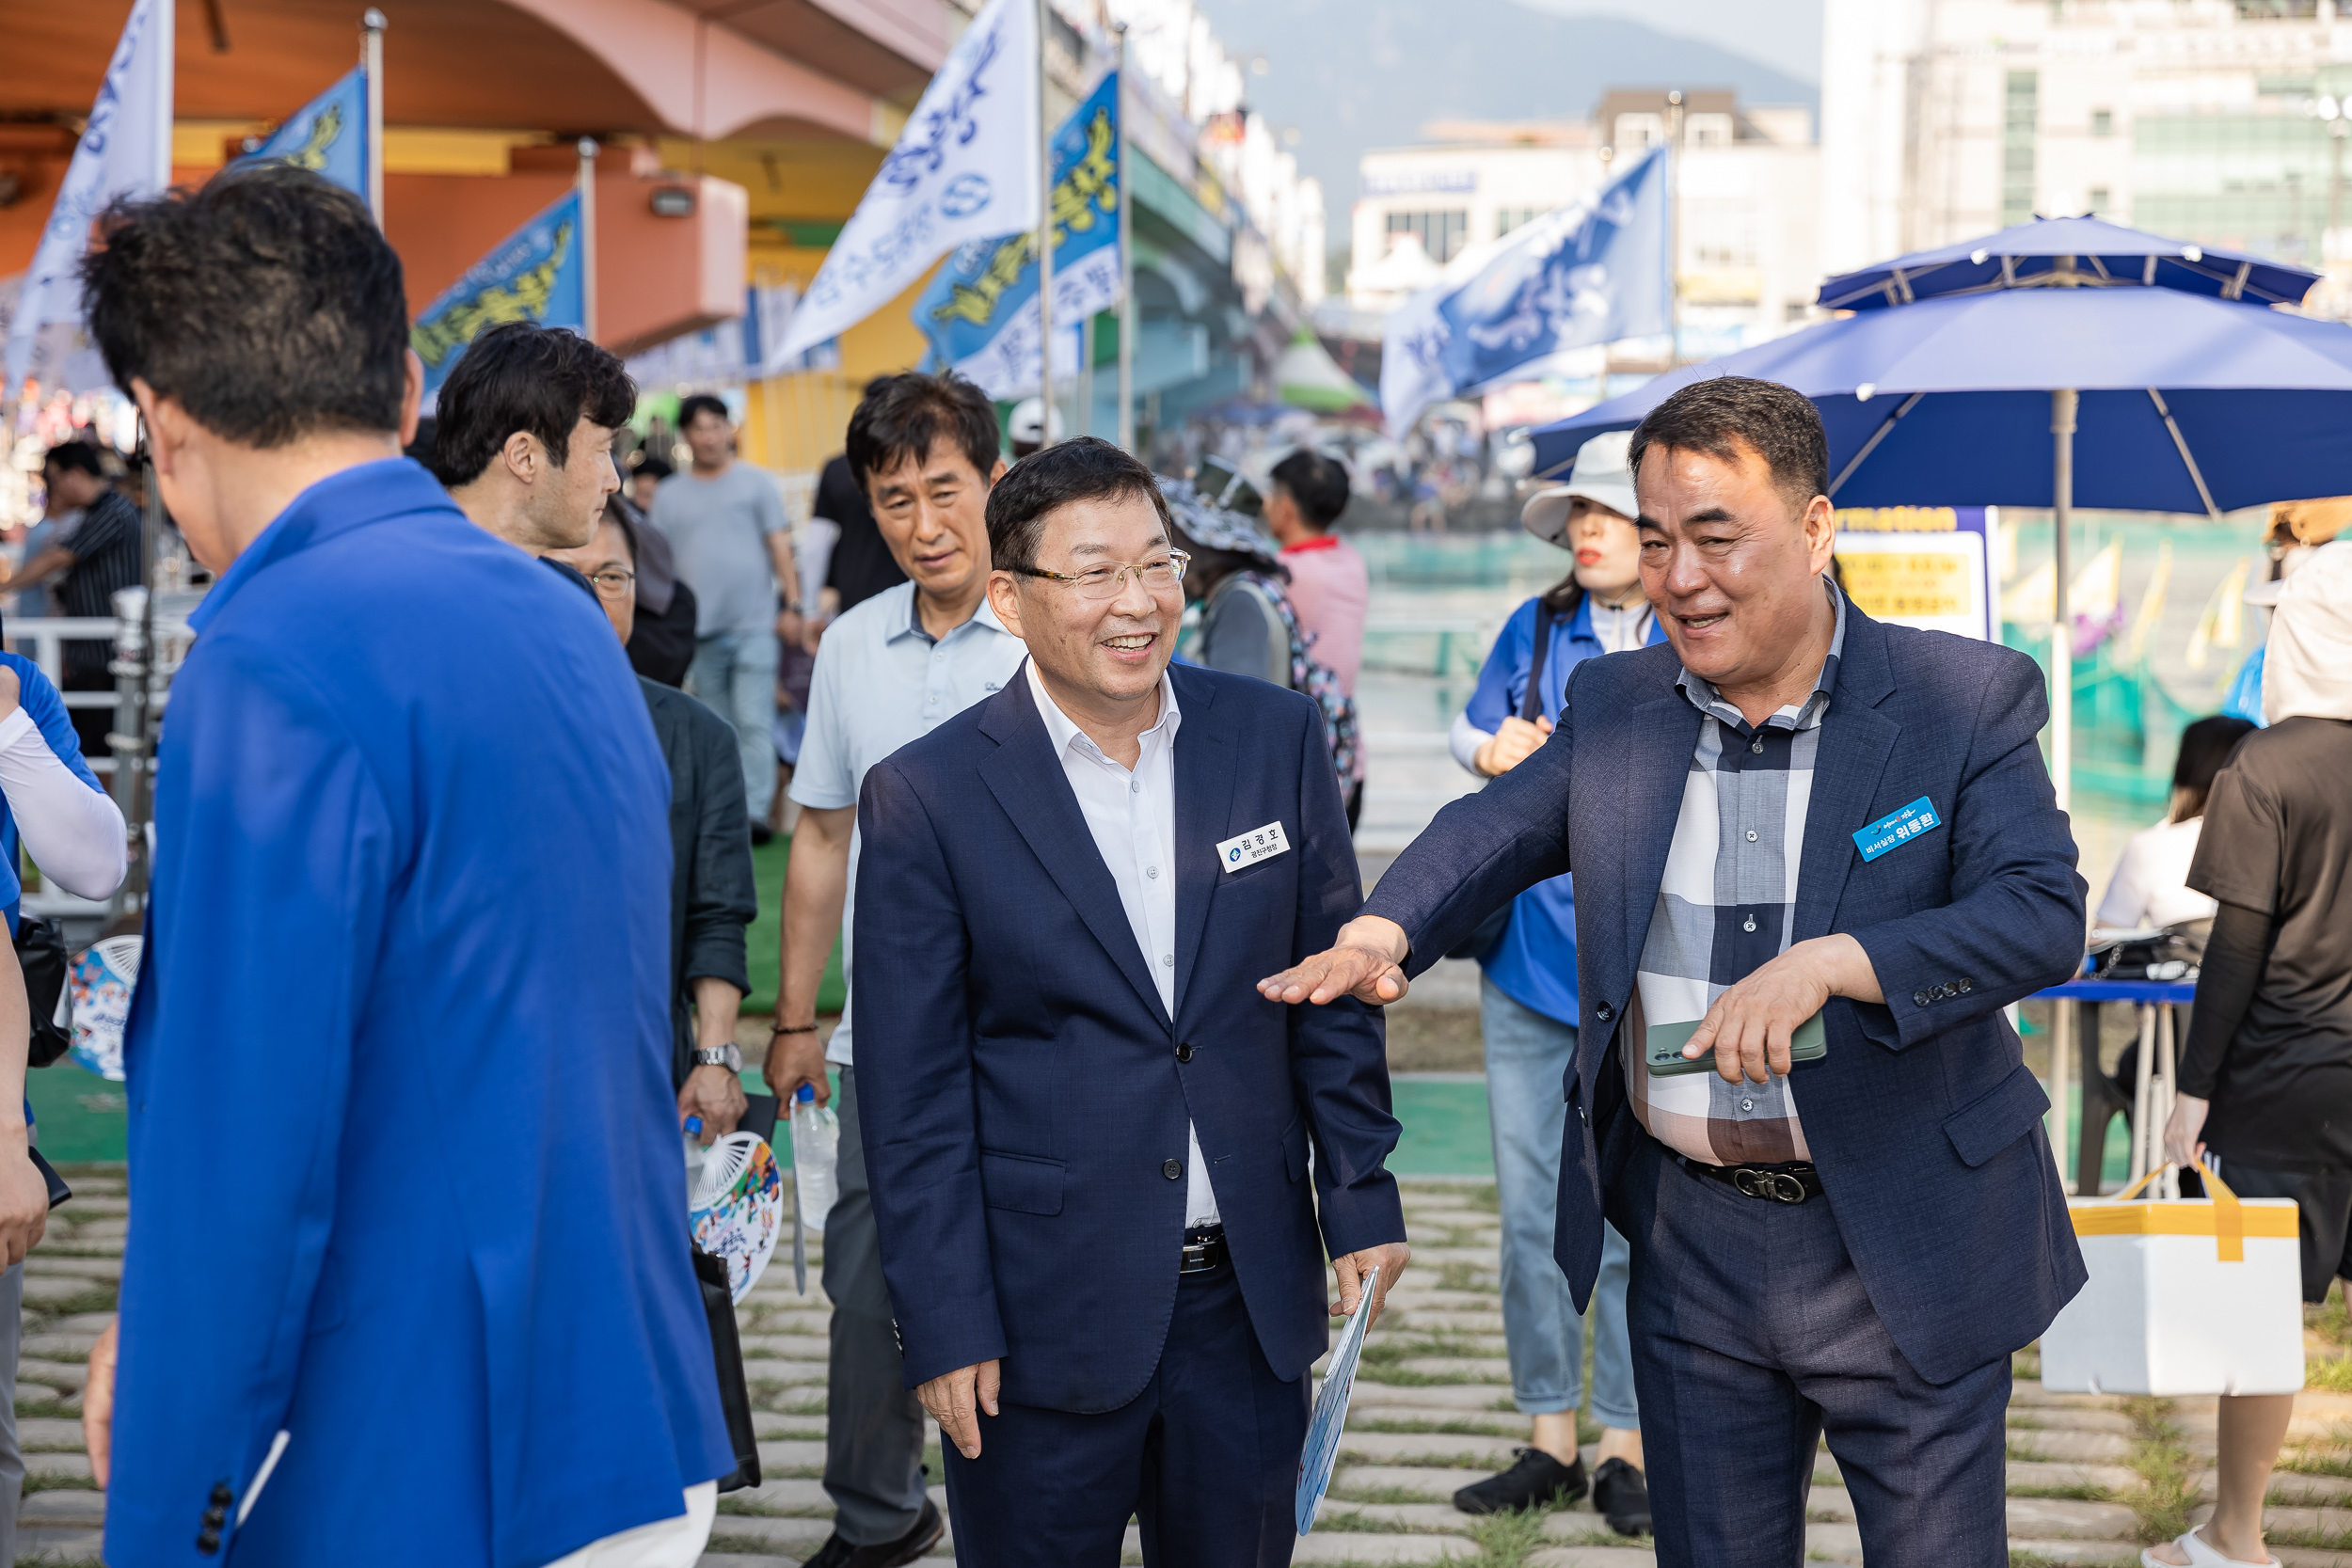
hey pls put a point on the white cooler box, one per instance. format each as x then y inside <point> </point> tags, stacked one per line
<point>2184,1297</point>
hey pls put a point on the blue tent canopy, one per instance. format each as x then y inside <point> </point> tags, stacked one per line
<point>2068,253</point>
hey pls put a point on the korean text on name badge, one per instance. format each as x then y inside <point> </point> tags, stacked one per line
<point>1257,844</point>
<point>1897,829</point>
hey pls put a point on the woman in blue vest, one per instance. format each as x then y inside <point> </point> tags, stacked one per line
<point>1528,1010</point>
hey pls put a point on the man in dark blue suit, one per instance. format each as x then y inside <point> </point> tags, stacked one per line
<point>1089,1140</point>
<point>1789,810</point>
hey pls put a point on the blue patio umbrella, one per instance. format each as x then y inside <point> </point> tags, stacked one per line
<point>2135,373</point>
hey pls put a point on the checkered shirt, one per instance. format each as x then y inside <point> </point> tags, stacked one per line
<point>1723,909</point>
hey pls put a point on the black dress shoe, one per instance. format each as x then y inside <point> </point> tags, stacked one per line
<point>1534,1480</point>
<point>1621,1494</point>
<point>837,1553</point>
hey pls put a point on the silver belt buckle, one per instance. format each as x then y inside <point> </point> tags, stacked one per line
<point>1778,1185</point>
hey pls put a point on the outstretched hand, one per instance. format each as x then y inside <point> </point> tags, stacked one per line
<point>1366,962</point>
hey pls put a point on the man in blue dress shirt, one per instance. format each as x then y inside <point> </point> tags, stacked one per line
<point>410,1278</point>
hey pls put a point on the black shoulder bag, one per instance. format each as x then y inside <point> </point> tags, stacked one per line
<point>41,954</point>
<point>1481,944</point>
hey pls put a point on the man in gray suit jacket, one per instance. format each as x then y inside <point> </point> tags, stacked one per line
<point>1818,855</point>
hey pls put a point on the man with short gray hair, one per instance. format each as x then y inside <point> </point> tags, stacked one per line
<point>1824,852</point>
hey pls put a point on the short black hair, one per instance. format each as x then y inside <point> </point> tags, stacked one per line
<point>1716,415</point>
<point>648,465</point>
<point>2205,744</point>
<point>1318,484</point>
<point>702,403</point>
<point>519,375</point>
<point>265,303</point>
<point>904,416</point>
<point>1084,468</point>
<point>80,457</point>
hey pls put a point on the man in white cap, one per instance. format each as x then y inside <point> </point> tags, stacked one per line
<point>1528,1012</point>
<point>2266,1076</point>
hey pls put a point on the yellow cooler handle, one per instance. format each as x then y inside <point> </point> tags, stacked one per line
<point>2229,1218</point>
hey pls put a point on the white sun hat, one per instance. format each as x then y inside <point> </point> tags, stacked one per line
<point>1600,476</point>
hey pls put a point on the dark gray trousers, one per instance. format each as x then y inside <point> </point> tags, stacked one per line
<point>1754,1339</point>
<point>873,1423</point>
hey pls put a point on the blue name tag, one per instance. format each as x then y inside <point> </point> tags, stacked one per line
<point>1897,829</point>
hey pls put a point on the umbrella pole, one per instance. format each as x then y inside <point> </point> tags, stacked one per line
<point>2063,406</point>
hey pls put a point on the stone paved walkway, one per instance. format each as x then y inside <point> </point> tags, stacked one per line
<point>1432,1411</point>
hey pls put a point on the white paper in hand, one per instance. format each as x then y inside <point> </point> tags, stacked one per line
<point>1323,1433</point>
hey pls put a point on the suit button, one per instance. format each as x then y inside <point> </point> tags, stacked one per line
<point>1918,999</point>
<point>1184,1053</point>
<point>215,1517</point>
<point>1171,1168</point>
<point>1965,983</point>
<point>208,1541</point>
<point>221,1497</point>
<point>1604,1012</point>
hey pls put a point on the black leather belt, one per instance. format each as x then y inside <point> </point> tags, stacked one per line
<point>1204,1250</point>
<point>1790,1182</point>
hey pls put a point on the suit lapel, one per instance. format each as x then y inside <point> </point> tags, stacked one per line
<point>1206,763</point>
<point>1856,741</point>
<point>1027,779</point>
<point>1649,758</point>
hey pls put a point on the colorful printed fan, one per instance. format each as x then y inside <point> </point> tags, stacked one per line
<point>100,985</point>
<point>737,1210</point>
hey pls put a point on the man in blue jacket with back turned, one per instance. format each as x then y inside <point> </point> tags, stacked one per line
<point>1088,1139</point>
<point>1802,840</point>
<point>409,1280</point>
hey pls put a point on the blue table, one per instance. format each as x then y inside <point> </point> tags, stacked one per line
<point>2152,1083</point>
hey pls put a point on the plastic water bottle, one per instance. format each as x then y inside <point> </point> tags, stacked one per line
<point>695,1156</point>
<point>816,1144</point>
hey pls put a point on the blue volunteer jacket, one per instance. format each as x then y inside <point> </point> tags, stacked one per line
<point>1923,1119</point>
<point>1023,1094</point>
<point>403,1158</point>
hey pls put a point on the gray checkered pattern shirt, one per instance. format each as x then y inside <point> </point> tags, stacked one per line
<point>1723,911</point>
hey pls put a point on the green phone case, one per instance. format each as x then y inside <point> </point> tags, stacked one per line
<point>1662,1050</point>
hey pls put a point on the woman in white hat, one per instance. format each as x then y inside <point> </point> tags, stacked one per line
<point>1528,1010</point>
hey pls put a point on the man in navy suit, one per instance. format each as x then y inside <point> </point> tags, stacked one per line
<point>1790,810</point>
<point>1089,1140</point>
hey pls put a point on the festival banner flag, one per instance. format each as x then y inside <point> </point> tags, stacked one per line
<point>964,168</point>
<point>124,151</point>
<point>329,136</point>
<point>534,275</point>
<point>1593,271</point>
<point>980,311</point>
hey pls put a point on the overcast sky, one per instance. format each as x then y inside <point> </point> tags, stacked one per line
<point>1783,34</point>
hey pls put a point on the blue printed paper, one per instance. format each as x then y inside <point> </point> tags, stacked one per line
<point>1897,829</point>
<point>328,135</point>
<point>1323,1433</point>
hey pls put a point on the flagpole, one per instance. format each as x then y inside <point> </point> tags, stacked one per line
<point>1044,238</point>
<point>371,62</point>
<point>1126,266</point>
<point>588,238</point>
<point>1674,225</point>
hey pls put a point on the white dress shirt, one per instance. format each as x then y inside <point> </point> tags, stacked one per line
<point>1132,815</point>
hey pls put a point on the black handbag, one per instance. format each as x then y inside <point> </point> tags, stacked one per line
<point>41,954</point>
<point>726,1346</point>
<point>1481,944</point>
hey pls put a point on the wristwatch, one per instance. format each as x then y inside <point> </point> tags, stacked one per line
<point>729,1057</point>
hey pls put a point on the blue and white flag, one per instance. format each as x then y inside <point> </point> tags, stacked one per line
<point>329,136</point>
<point>980,311</point>
<point>534,275</point>
<point>125,150</point>
<point>1594,272</point>
<point>964,168</point>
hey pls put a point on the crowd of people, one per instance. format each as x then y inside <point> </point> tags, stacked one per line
<point>1076,768</point>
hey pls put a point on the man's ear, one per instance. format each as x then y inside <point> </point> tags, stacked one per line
<point>524,456</point>
<point>1821,532</point>
<point>996,473</point>
<point>1004,597</point>
<point>166,426</point>
<point>411,395</point>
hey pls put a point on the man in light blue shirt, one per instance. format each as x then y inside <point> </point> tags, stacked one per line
<point>889,671</point>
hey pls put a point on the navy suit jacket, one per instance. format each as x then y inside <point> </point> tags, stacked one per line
<point>1022,1091</point>
<point>1922,1118</point>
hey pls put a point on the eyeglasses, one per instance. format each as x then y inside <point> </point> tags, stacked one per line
<point>612,582</point>
<point>1160,575</point>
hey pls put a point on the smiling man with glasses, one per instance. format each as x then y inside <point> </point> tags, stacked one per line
<point>1088,1139</point>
